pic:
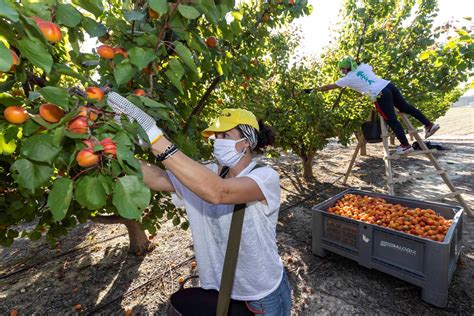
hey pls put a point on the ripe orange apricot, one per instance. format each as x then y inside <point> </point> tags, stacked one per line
<point>87,158</point>
<point>95,93</point>
<point>211,42</point>
<point>79,125</point>
<point>121,51</point>
<point>50,30</point>
<point>139,92</point>
<point>109,146</point>
<point>88,112</point>
<point>105,51</point>
<point>37,19</point>
<point>51,113</point>
<point>153,14</point>
<point>15,114</point>
<point>16,60</point>
<point>89,143</point>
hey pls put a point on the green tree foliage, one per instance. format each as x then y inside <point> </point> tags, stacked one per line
<point>178,52</point>
<point>396,37</point>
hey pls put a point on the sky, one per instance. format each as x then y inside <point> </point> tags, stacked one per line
<point>325,13</point>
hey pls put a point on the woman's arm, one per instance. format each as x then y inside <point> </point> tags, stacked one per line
<point>156,178</point>
<point>328,87</point>
<point>207,184</point>
<point>202,181</point>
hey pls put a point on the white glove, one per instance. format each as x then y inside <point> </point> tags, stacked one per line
<point>120,105</point>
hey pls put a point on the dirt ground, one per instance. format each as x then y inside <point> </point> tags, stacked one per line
<point>92,267</point>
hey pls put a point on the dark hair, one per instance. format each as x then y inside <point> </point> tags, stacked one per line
<point>266,136</point>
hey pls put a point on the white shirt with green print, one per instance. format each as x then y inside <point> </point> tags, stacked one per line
<point>363,80</point>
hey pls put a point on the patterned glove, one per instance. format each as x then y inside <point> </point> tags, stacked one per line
<point>120,105</point>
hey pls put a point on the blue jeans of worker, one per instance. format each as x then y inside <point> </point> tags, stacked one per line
<point>277,303</point>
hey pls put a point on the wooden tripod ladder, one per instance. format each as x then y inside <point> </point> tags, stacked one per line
<point>424,151</point>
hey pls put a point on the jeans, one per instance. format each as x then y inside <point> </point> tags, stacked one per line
<point>277,303</point>
<point>391,97</point>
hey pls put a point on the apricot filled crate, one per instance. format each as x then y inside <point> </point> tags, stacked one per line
<point>420,261</point>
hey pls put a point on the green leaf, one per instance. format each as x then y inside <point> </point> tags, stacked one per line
<point>93,28</point>
<point>177,68</point>
<point>219,68</point>
<point>67,15</point>
<point>123,72</point>
<point>152,103</point>
<point>107,183</point>
<point>6,59</point>
<point>58,135</point>
<point>55,95</point>
<point>93,6</point>
<point>40,148</point>
<point>7,11</point>
<point>425,55</point>
<point>127,160</point>
<point>186,56</point>
<point>30,175</point>
<point>134,15</point>
<point>188,12</point>
<point>65,70</point>
<point>131,197</point>
<point>141,57</point>
<point>37,53</point>
<point>175,80</point>
<point>7,85</point>
<point>237,15</point>
<point>90,192</point>
<point>160,6</point>
<point>59,198</point>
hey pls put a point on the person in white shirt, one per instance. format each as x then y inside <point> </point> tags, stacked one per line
<point>385,95</point>
<point>209,197</point>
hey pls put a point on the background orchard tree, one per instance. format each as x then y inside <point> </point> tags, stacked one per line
<point>396,38</point>
<point>66,160</point>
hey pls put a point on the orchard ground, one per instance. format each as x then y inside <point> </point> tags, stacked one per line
<point>91,266</point>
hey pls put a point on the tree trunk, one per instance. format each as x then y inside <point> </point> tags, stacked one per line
<point>308,166</point>
<point>392,139</point>
<point>139,242</point>
<point>363,143</point>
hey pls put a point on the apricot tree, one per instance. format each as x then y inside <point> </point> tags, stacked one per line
<point>66,158</point>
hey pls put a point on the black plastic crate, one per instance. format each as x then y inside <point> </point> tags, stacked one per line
<point>422,262</point>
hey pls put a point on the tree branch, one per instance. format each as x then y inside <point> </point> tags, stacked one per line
<point>200,106</point>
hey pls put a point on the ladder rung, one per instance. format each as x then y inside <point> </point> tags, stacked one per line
<point>413,153</point>
<point>416,175</point>
<point>447,195</point>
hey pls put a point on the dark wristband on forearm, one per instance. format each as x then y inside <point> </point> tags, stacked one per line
<point>169,151</point>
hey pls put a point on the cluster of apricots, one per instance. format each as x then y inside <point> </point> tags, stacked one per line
<point>109,52</point>
<point>424,223</point>
<point>89,157</point>
<point>52,113</point>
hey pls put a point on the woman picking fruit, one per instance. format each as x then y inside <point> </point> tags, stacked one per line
<point>385,95</point>
<point>209,193</point>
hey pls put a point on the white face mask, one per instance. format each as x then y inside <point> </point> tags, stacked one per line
<point>225,152</point>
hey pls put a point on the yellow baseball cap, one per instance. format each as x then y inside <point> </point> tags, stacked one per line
<point>230,118</point>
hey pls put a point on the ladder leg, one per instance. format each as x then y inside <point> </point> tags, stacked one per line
<point>387,161</point>
<point>351,164</point>
<point>435,163</point>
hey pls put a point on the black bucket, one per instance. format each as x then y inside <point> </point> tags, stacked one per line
<point>197,301</point>
<point>372,130</point>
